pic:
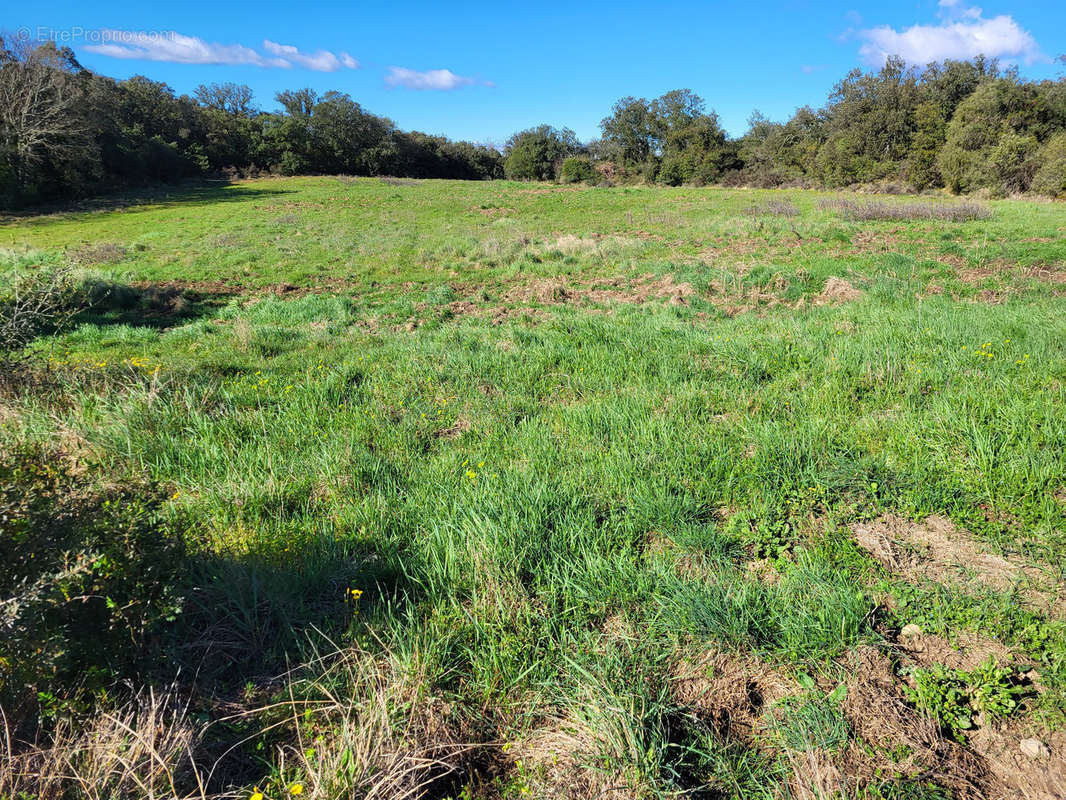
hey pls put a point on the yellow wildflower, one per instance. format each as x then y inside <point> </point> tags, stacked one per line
<point>256,794</point>
<point>296,788</point>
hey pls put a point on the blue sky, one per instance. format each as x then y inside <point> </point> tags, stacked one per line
<point>481,71</point>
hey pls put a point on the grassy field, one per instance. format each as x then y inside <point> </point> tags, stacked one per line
<point>506,490</point>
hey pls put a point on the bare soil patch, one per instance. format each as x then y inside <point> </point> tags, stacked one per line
<point>968,651</point>
<point>605,291</point>
<point>1047,274</point>
<point>905,740</point>
<point>455,430</point>
<point>937,549</point>
<point>837,290</point>
<point>1021,764</point>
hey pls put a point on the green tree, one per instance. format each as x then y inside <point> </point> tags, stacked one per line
<point>1050,175</point>
<point>232,98</point>
<point>537,154</point>
<point>930,130</point>
<point>633,130</point>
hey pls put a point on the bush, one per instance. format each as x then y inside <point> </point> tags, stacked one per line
<point>578,170</point>
<point>31,304</point>
<point>1050,177</point>
<point>87,575</point>
<point>1013,163</point>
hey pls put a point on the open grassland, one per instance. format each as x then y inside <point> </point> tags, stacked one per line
<point>504,490</point>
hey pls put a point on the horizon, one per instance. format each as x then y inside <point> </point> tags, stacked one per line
<point>471,76</point>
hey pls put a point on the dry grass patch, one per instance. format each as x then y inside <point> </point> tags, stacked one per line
<point>95,253</point>
<point>604,291</point>
<point>837,290</point>
<point>901,739</point>
<point>730,692</point>
<point>870,210</point>
<point>144,748</point>
<point>556,759</point>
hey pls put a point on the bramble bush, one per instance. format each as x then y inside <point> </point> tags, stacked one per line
<point>32,303</point>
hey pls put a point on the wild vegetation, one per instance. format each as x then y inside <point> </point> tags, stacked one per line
<point>346,487</point>
<point>966,126</point>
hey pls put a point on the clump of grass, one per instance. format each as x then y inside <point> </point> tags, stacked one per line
<point>777,207</point>
<point>870,210</point>
<point>97,253</point>
<point>145,747</point>
<point>814,722</point>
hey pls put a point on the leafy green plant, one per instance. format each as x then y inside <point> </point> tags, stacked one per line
<point>942,693</point>
<point>954,697</point>
<point>993,691</point>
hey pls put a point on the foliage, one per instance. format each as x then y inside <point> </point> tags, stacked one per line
<point>537,154</point>
<point>578,170</point>
<point>31,303</point>
<point>964,125</point>
<point>953,697</point>
<point>1050,176</point>
<point>87,575</point>
<point>67,131</point>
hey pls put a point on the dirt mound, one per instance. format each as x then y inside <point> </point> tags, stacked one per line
<point>730,692</point>
<point>938,550</point>
<point>837,290</point>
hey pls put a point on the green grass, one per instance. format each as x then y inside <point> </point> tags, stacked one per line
<point>511,477</point>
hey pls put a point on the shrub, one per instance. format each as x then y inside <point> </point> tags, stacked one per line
<point>578,170</point>
<point>776,207</point>
<point>1050,177</point>
<point>32,303</point>
<point>86,575</point>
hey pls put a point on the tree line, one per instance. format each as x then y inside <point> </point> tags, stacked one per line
<point>962,125</point>
<point>67,131</point>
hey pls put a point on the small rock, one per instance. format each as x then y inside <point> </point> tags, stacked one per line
<point>911,631</point>
<point>1034,748</point>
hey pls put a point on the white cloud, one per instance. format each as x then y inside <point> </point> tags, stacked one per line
<point>180,49</point>
<point>963,33</point>
<point>438,79</point>
<point>320,60</point>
